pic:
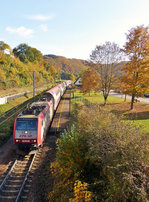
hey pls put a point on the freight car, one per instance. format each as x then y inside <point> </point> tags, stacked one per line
<point>31,125</point>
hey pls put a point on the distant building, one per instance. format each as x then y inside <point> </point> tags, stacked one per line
<point>78,82</point>
<point>7,52</point>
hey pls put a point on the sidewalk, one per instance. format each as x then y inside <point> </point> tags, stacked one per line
<point>128,97</point>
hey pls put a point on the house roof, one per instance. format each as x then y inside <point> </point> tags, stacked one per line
<point>78,82</point>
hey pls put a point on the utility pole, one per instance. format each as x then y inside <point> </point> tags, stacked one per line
<point>34,84</point>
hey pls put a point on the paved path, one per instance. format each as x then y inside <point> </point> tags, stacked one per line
<point>141,99</point>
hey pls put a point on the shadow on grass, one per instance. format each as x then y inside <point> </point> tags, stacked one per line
<point>133,115</point>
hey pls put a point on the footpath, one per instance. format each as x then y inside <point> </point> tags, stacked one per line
<point>139,99</point>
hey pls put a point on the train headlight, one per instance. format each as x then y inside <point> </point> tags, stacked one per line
<point>17,140</point>
<point>34,140</point>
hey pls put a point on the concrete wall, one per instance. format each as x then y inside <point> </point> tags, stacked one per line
<point>3,100</point>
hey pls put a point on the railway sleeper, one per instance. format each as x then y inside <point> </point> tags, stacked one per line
<point>20,170</point>
<point>16,181</point>
<point>28,185</point>
<point>24,163</point>
<point>12,185</point>
<point>10,192</point>
<point>26,190</point>
<point>16,177</point>
<point>23,197</point>
<point>17,173</point>
<point>7,197</point>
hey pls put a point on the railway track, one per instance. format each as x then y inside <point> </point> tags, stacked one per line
<point>16,183</point>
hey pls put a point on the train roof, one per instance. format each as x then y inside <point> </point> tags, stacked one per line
<point>33,110</point>
<point>53,90</point>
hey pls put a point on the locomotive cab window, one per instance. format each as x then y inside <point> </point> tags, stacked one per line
<point>26,124</point>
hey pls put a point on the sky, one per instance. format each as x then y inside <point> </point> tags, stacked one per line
<point>70,28</point>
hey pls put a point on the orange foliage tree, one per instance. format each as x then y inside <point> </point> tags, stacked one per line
<point>136,71</point>
<point>90,80</point>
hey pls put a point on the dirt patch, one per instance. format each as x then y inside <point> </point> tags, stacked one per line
<point>140,110</point>
<point>7,153</point>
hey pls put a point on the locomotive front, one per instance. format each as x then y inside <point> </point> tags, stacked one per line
<point>25,131</point>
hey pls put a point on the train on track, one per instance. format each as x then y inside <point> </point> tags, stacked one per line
<point>31,125</point>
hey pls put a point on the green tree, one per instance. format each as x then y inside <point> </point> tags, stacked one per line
<point>27,53</point>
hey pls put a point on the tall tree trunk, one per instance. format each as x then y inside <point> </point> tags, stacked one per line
<point>132,100</point>
<point>125,98</point>
<point>105,99</point>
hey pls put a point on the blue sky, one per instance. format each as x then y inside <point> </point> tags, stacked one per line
<point>70,28</point>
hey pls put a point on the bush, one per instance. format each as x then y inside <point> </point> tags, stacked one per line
<point>69,164</point>
<point>119,153</point>
<point>71,151</point>
<point>105,153</point>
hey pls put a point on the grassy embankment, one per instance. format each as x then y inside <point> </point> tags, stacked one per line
<point>11,91</point>
<point>138,116</point>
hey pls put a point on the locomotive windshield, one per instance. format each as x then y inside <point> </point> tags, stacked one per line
<point>26,124</point>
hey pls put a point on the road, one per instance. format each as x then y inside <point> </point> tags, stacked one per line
<point>141,99</point>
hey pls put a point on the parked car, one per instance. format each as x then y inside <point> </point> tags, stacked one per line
<point>146,95</point>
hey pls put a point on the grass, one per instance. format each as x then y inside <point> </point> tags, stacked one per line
<point>139,115</point>
<point>13,103</point>
<point>16,90</point>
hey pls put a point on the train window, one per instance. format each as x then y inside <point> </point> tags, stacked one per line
<point>21,125</point>
<point>26,124</point>
<point>32,125</point>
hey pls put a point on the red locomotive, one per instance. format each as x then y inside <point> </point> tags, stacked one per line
<point>31,125</point>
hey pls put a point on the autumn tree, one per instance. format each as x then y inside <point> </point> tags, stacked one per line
<point>53,72</point>
<point>104,60</point>
<point>90,80</point>
<point>136,71</point>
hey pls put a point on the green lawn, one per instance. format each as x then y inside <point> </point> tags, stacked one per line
<point>143,124</point>
<point>95,98</point>
<point>140,118</point>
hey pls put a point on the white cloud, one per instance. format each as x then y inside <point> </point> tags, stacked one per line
<point>40,17</point>
<point>21,31</point>
<point>2,39</point>
<point>44,27</point>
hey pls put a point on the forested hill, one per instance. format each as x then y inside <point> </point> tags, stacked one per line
<point>74,66</point>
<point>17,66</point>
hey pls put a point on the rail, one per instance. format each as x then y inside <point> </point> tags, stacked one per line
<point>4,180</point>
<point>14,172</point>
<point>19,194</point>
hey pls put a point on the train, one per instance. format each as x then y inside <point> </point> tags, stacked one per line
<point>31,125</point>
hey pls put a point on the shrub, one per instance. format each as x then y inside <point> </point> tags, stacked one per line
<point>71,151</point>
<point>81,194</point>
<point>103,155</point>
<point>120,154</point>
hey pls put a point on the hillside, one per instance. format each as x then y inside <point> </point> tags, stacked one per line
<point>17,66</point>
<point>62,64</point>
